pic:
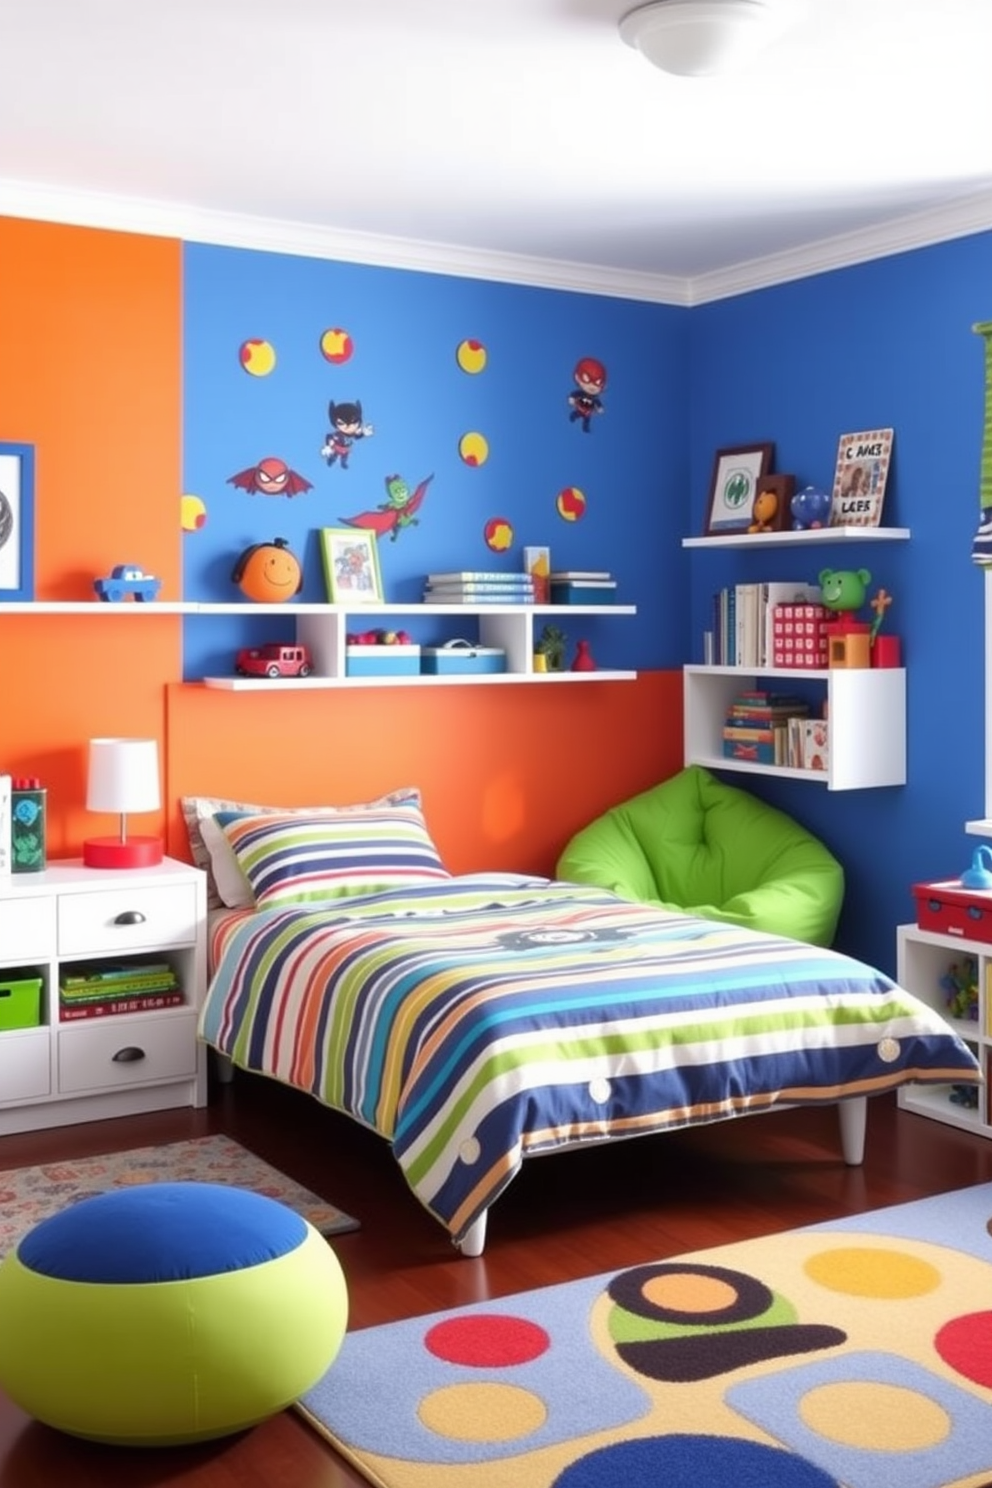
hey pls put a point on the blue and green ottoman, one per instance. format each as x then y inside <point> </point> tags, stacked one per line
<point>168,1313</point>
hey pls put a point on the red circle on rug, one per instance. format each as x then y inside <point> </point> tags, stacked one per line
<point>965,1343</point>
<point>487,1341</point>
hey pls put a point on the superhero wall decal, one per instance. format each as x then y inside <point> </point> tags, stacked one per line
<point>271,477</point>
<point>396,512</point>
<point>585,400</point>
<point>347,426</point>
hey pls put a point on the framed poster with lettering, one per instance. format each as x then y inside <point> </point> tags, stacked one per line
<point>860,475</point>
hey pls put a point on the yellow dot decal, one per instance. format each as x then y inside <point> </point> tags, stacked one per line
<point>875,1417</point>
<point>257,357</point>
<point>336,346</point>
<point>192,513</point>
<point>473,448</point>
<point>482,1412</point>
<point>858,1271</point>
<point>685,1292</point>
<point>571,504</point>
<point>471,356</point>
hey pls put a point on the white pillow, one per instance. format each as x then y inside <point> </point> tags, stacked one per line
<point>211,851</point>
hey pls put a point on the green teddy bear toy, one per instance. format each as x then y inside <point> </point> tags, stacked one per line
<point>844,589</point>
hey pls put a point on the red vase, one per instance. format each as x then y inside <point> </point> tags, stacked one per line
<point>583,659</point>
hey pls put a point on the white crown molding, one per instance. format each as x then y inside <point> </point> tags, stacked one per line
<point>960,218</point>
<point>957,219</point>
<point>231,230</point>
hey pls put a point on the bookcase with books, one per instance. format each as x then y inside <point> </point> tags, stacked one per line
<point>853,733</point>
<point>105,971</point>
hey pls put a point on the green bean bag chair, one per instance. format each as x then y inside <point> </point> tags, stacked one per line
<point>704,848</point>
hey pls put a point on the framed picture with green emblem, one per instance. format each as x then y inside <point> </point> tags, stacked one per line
<point>736,473</point>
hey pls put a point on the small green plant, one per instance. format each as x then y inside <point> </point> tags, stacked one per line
<point>551,644</point>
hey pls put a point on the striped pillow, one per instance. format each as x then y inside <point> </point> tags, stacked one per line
<point>293,858</point>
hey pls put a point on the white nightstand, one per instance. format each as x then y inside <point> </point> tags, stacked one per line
<point>59,1073</point>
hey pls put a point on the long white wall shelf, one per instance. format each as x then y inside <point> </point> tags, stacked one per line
<point>799,539</point>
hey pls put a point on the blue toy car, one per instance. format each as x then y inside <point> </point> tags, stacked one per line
<point>125,579</point>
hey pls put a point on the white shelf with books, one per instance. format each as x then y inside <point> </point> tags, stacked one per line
<point>814,536</point>
<point>865,710</point>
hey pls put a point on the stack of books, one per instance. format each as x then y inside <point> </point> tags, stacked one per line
<point>125,987</point>
<point>743,620</point>
<point>760,725</point>
<point>583,586</point>
<point>477,587</point>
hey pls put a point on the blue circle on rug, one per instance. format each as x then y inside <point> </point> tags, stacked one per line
<point>690,1462</point>
<point>161,1232</point>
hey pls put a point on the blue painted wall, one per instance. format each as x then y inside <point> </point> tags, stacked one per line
<point>405,327</point>
<point>883,343</point>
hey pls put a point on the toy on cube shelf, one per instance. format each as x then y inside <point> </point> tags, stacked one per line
<point>959,985</point>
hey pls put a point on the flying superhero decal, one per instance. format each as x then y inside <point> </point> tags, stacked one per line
<point>585,401</point>
<point>396,512</point>
<point>271,477</point>
<point>346,427</point>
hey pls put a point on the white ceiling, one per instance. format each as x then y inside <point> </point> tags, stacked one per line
<point>523,129</point>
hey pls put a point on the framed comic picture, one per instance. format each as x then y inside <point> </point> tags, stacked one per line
<point>351,565</point>
<point>16,522</point>
<point>736,473</point>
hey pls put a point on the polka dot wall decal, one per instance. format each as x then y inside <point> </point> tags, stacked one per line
<point>571,504</point>
<point>471,356</point>
<point>257,357</point>
<point>192,513</point>
<point>498,533</point>
<point>336,346</point>
<point>473,448</point>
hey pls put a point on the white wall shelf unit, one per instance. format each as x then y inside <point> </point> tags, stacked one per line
<point>513,628</point>
<point>923,957</point>
<point>815,535</point>
<point>866,709</point>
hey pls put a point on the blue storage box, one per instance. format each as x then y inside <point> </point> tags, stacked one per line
<point>382,661</point>
<point>601,593</point>
<point>462,659</point>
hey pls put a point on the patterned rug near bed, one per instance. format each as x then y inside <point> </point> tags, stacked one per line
<point>29,1195</point>
<point>857,1353</point>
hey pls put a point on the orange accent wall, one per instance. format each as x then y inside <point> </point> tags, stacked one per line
<point>91,376</point>
<point>507,773</point>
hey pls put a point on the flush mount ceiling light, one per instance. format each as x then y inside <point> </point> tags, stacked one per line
<point>693,38</point>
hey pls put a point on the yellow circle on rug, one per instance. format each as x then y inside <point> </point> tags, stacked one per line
<point>877,1417</point>
<point>860,1271</point>
<point>459,1411</point>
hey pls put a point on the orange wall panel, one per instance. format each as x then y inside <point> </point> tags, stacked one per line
<point>507,773</point>
<point>91,377</point>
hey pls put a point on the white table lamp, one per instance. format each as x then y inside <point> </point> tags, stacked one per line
<point>122,777</point>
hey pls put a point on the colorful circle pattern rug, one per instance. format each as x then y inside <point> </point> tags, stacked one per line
<point>853,1355</point>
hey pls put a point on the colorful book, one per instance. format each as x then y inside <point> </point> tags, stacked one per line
<point>537,567</point>
<point>582,576</point>
<point>125,986</point>
<point>479,576</point>
<point>113,1006</point>
<point>106,971</point>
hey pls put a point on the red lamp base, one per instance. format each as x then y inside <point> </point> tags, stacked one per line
<point>111,852</point>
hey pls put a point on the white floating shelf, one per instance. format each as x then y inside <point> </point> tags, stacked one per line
<point>798,539</point>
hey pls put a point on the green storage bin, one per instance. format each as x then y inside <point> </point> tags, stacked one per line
<point>20,1003</point>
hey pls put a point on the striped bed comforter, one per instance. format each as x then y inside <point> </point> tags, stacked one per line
<point>476,1021</point>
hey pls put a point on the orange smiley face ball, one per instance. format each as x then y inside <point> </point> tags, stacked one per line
<point>268,572</point>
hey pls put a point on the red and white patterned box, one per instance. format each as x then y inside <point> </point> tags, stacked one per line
<point>799,636</point>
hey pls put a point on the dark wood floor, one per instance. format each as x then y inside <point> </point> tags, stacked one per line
<point>566,1216</point>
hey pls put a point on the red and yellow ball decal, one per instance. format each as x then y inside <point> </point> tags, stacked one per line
<point>498,533</point>
<point>336,346</point>
<point>192,513</point>
<point>257,357</point>
<point>474,448</point>
<point>471,356</point>
<point>571,504</point>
